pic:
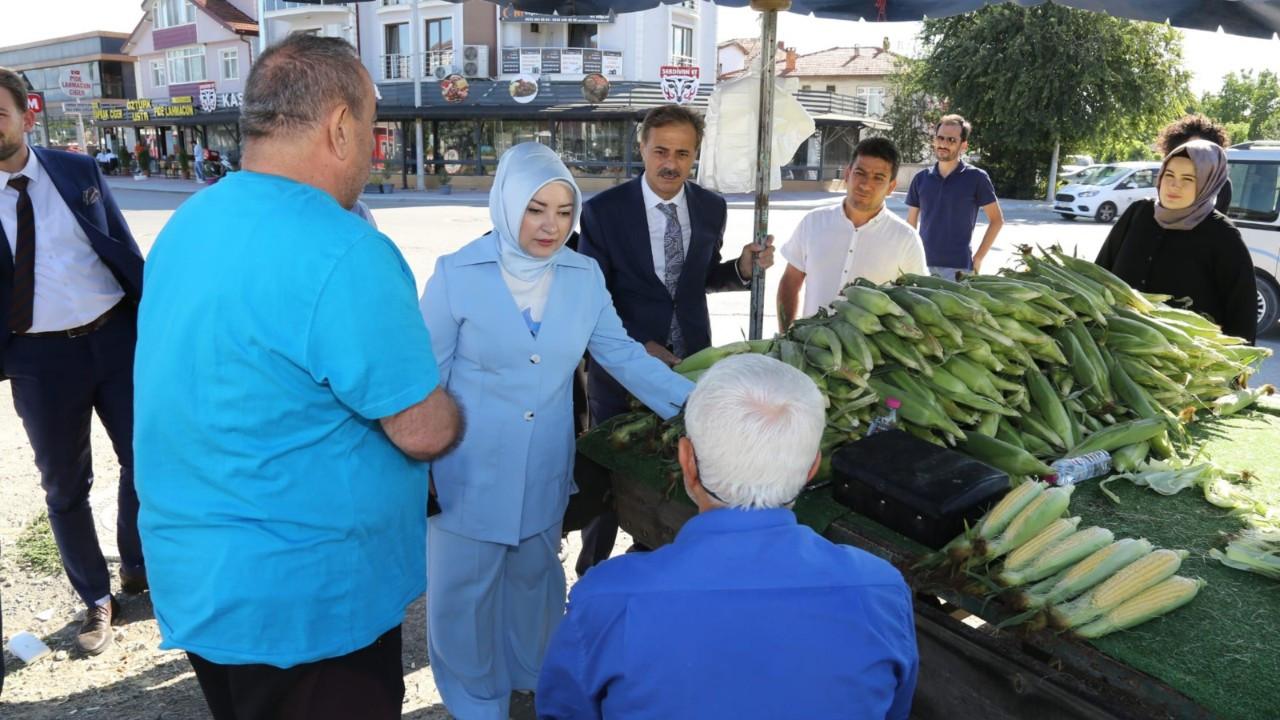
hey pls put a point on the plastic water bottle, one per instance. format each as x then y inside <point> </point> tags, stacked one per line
<point>887,420</point>
<point>1078,468</point>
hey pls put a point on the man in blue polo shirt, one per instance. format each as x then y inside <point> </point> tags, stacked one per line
<point>286,400</point>
<point>748,614</point>
<point>943,203</point>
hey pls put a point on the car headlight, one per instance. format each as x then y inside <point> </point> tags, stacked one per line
<point>1088,193</point>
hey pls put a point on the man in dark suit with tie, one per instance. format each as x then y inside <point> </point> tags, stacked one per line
<point>70,281</point>
<point>657,239</point>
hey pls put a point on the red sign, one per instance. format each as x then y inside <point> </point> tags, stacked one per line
<point>679,83</point>
<point>35,102</point>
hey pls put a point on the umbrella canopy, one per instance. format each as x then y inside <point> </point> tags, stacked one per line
<point>1252,18</point>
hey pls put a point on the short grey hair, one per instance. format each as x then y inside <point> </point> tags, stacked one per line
<point>755,424</point>
<point>296,81</point>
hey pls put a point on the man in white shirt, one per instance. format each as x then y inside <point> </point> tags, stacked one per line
<point>833,246</point>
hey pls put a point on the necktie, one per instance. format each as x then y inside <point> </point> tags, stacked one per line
<point>673,246</point>
<point>22,299</point>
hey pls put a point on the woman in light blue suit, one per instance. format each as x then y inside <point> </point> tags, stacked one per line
<point>510,315</point>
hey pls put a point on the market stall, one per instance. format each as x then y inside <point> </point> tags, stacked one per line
<point>1214,657</point>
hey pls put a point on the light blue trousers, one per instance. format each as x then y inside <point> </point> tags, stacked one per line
<point>491,608</point>
<point>948,273</point>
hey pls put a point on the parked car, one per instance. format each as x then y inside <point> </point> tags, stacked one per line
<point>1073,164</point>
<point>1254,168</point>
<point>1079,175</point>
<point>1108,192</point>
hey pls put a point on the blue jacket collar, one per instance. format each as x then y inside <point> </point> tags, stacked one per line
<point>484,249</point>
<point>734,520</point>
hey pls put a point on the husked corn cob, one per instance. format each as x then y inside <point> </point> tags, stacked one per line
<point>1054,532</point>
<point>1128,582</point>
<point>1091,571</point>
<point>1047,507</point>
<point>1003,512</point>
<point>1159,599</point>
<point>1066,552</point>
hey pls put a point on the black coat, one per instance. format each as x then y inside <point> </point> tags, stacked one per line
<point>1208,263</point>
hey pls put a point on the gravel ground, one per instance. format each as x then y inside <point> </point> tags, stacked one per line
<point>132,680</point>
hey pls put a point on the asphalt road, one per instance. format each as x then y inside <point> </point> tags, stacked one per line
<point>428,226</point>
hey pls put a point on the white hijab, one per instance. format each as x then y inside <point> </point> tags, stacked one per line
<point>522,172</point>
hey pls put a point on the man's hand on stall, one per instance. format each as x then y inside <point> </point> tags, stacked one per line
<point>749,253</point>
<point>662,353</point>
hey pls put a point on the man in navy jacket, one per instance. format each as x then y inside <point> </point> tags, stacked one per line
<point>70,282</point>
<point>657,239</point>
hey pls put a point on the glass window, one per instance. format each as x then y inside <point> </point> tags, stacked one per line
<point>592,147</point>
<point>584,36</point>
<point>157,74</point>
<point>875,99</point>
<point>170,13</point>
<point>186,65</point>
<point>230,64</point>
<point>1144,179</point>
<point>388,148</point>
<point>682,45</point>
<point>457,145</point>
<point>497,137</point>
<point>439,39</point>
<point>1255,191</point>
<point>395,44</point>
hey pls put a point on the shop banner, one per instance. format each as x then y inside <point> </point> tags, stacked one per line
<point>510,61</point>
<point>550,61</point>
<point>530,61</point>
<point>591,62</point>
<point>512,15</point>
<point>571,61</point>
<point>611,63</point>
<point>679,83</point>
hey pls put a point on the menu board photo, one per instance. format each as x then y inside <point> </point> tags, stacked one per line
<point>591,62</point>
<point>611,63</point>
<point>510,61</point>
<point>530,61</point>
<point>571,61</point>
<point>550,61</point>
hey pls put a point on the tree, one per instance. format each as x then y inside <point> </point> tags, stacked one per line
<point>1249,107</point>
<point>1032,77</point>
<point>908,114</point>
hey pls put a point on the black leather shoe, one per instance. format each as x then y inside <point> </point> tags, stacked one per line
<point>134,584</point>
<point>95,632</point>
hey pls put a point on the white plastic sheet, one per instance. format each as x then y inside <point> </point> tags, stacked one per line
<point>729,151</point>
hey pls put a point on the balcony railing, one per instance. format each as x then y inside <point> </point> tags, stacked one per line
<point>401,66</point>
<point>273,5</point>
<point>684,60</point>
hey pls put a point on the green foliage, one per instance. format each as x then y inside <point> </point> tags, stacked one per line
<point>1029,77</point>
<point>909,114</point>
<point>1249,107</point>
<point>36,549</point>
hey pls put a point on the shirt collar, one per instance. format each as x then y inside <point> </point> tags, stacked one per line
<point>31,170</point>
<point>733,520</point>
<point>651,198</point>
<point>959,168</point>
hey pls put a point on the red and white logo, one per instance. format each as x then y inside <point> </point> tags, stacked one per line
<point>208,97</point>
<point>679,83</point>
<point>74,83</point>
<point>35,102</point>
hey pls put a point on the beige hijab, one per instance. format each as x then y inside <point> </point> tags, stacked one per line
<point>1210,161</point>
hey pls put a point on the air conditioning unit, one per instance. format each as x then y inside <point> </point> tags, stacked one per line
<point>475,61</point>
<point>442,71</point>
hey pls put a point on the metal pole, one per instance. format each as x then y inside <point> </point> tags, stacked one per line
<point>262,26</point>
<point>417,63</point>
<point>1053,174</point>
<point>764,146</point>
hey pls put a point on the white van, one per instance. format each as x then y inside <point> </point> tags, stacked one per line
<point>1255,210</point>
<point>1107,192</point>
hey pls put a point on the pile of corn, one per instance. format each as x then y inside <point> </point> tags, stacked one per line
<point>1013,369</point>
<point>1083,580</point>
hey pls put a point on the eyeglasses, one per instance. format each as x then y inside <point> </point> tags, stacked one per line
<point>946,139</point>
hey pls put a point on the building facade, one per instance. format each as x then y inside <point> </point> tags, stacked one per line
<point>71,74</point>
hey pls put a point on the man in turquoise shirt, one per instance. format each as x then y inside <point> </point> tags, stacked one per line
<point>747,614</point>
<point>287,398</point>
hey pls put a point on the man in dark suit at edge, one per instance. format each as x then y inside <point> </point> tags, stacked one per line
<point>657,239</point>
<point>70,281</point>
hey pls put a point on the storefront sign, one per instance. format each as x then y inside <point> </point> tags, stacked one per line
<point>550,60</point>
<point>143,104</point>
<point>180,100</point>
<point>611,63</point>
<point>174,111</point>
<point>510,61</point>
<point>571,61</point>
<point>35,102</point>
<point>512,15</point>
<point>230,100</point>
<point>70,107</point>
<point>208,96</point>
<point>114,113</point>
<point>679,83</point>
<point>591,61</point>
<point>530,61</point>
<point>74,83</point>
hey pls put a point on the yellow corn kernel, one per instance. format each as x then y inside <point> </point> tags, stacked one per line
<point>1159,599</point>
<point>1136,577</point>
<point>1072,549</point>
<point>999,517</point>
<point>1057,530</point>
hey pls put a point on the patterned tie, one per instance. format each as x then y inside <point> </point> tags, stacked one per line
<point>673,245</point>
<point>22,299</point>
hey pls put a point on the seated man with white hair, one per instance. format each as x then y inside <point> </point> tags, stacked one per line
<point>748,614</point>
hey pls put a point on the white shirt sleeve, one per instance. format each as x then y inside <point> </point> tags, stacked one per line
<point>796,249</point>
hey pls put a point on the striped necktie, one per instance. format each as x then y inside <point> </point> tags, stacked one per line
<point>673,246</point>
<point>22,298</point>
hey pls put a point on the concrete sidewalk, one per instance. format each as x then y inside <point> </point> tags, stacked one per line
<point>777,199</point>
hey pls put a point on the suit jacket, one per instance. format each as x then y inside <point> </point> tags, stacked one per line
<point>615,233</point>
<point>511,476</point>
<point>75,176</point>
